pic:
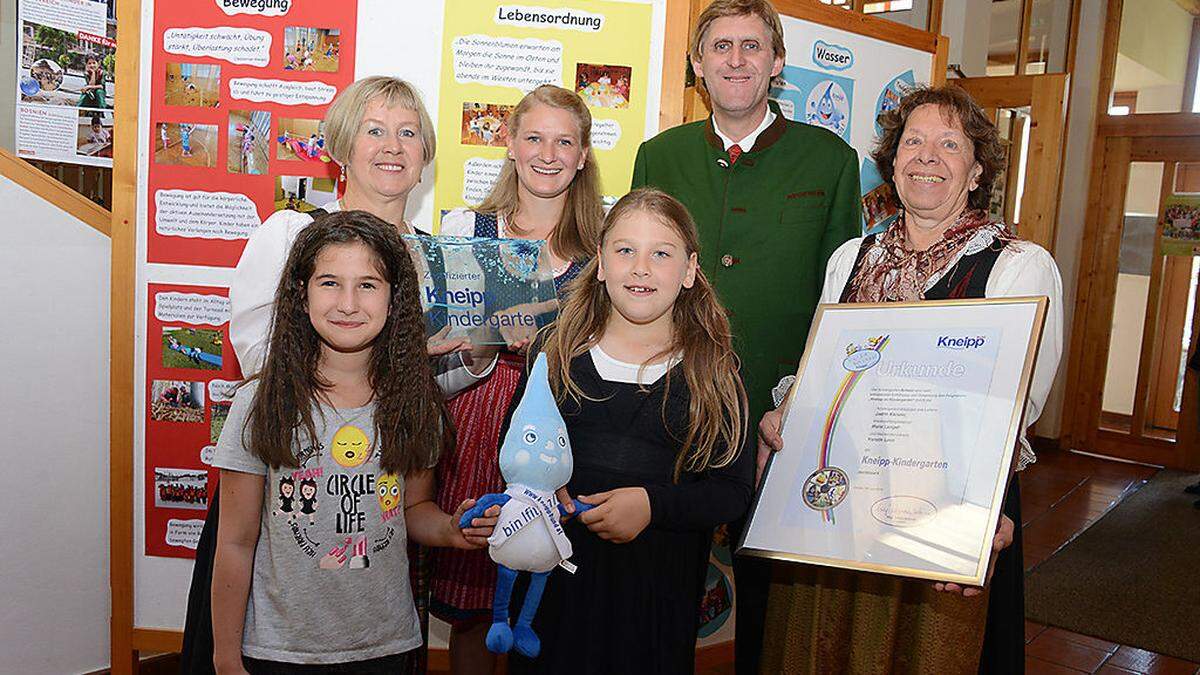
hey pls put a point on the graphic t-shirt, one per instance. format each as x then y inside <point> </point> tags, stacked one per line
<point>330,581</point>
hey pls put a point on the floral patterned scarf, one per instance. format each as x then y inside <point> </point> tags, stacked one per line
<point>890,271</point>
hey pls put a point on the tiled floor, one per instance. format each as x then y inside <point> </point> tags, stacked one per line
<point>1061,496</point>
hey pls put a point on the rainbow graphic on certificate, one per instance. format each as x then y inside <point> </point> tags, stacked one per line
<point>828,486</point>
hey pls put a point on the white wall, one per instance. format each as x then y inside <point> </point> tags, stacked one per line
<point>1125,343</point>
<point>54,614</point>
<point>1072,207</point>
<point>8,73</point>
<point>968,23</point>
<point>1145,186</point>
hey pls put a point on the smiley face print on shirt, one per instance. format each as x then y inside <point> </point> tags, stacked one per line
<point>350,447</point>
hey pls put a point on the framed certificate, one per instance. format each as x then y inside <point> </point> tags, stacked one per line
<point>899,437</point>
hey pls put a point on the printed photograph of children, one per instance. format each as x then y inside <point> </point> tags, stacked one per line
<point>68,69</point>
<point>485,124</point>
<point>176,401</point>
<point>311,49</point>
<point>186,144</point>
<point>180,488</point>
<point>197,348</point>
<point>193,84</point>
<point>603,86</point>
<point>93,138</point>
<point>303,193</point>
<point>879,207</point>
<point>249,132</point>
<point>301,140</point>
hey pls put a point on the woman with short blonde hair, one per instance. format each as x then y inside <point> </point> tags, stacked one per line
<point>345,115</point>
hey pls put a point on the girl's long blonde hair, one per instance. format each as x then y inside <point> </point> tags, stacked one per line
<point>574,237</point>
<point>717,409</point>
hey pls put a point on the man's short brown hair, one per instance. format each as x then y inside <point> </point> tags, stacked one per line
<point>722,8</point>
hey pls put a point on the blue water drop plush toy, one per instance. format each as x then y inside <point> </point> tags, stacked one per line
<point>535,460</point>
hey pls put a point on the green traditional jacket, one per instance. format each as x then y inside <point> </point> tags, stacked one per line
<point>768,224</point>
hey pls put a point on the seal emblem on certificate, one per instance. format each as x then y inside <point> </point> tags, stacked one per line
<point>899,436</point>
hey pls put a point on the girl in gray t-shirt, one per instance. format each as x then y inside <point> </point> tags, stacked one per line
<point>326,463</point>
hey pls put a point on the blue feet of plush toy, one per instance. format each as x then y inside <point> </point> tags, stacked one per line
<point>526,641</point>
<point>500,638</point>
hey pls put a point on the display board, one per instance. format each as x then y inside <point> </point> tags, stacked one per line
<point>841,80</point>
<point>230,97</point>
<point>600,49</point>
<point>65,80</point>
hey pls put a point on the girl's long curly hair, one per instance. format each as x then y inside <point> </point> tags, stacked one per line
<point>717,409</point>
<point>411,423</point>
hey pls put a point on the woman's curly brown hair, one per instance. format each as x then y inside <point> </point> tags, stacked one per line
<point>956,103</point>
<point>411,424</point>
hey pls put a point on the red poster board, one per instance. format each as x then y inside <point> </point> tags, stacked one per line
<point>212,77</point>
<point>236,102</point>
<point>190,375</point>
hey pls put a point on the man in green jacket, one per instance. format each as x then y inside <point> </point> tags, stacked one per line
<point>772,199</point>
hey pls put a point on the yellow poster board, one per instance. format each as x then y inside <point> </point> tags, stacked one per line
<point>494,52</point>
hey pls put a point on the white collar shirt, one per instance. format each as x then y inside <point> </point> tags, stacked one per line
<point>747,143</point>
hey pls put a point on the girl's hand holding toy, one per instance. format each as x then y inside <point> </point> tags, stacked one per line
<point>619,515</point>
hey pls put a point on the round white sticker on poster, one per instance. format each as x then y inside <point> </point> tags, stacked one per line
<point>828,106</point>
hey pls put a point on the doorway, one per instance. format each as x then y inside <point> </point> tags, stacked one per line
<point>1130,392</point>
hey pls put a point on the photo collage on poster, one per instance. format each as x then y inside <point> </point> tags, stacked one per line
<point>237,98</point>
<point>66,80</point>
<point>596,48</point>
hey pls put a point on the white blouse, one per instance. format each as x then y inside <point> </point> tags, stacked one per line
<point>252,297</point>
<point>1022,268</point>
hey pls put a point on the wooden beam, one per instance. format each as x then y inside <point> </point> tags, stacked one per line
<point>941,61</point>
<point>1004,91</point>
<point>1023,37</point>
<point>674,67</point>
<point>121,338</point>
<point>1166,149</point>
<point>860,24</point>
<point>1146,450</point>
<point>157,640</point>
<point>1095,286</point>
<point>1043,167</point>
<point>1108,56</point>
<point>695,105</point>
<point>933,22</point>
<point>1149,124</point>
<point>1073,43</point>
<point>45,186</point>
